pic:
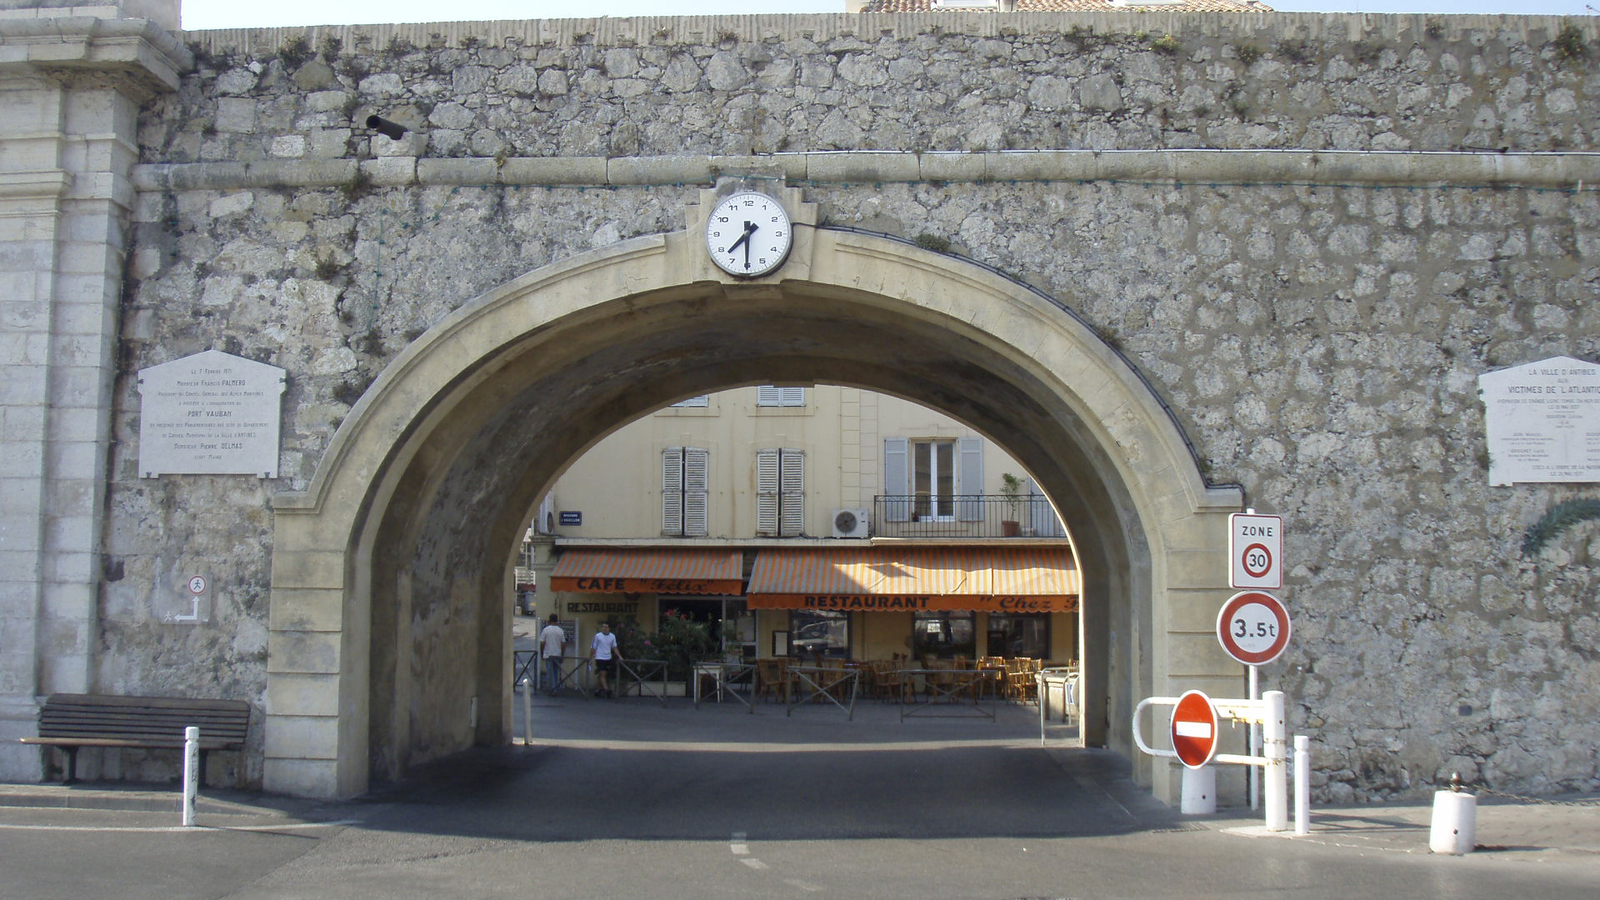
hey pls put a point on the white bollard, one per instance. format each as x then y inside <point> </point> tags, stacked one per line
<point>1198,795</point>
<point>527,713</point>
<point>1455,823</point>
<point>1275,778</point>
<point>191,773</point>
<point>1302,784</point>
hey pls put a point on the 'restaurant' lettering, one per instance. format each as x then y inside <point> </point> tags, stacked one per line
<point>855,601</point>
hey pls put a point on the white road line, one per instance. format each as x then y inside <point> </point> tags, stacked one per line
<point>179,829</point>
<point>754,863</point>
<point>803,885</point>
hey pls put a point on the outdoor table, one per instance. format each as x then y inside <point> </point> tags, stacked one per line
<point>819,681</point>
<point>725,674</point>
<point>959,680</point>
<point>1065,680</point>
<point>646,673</point>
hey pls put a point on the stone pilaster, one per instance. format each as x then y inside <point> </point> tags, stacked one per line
<point>71,82</point>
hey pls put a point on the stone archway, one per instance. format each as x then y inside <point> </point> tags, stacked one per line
<point>390,621</point>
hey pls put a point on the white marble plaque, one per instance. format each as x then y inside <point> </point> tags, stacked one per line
<point>1543,421</point>
<point>210,414</point>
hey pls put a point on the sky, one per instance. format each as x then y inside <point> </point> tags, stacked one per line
<point>206,14</point>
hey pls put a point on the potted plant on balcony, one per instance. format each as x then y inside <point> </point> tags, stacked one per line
<point>1011,489</point>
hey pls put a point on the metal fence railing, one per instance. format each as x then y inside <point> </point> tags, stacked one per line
<point>964,516</point>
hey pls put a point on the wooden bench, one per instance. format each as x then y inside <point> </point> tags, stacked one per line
<point>71,721</point>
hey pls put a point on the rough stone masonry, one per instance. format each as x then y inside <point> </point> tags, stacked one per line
<point>1311,233</point>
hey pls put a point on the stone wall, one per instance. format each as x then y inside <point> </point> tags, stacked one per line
<point>1317,320</point>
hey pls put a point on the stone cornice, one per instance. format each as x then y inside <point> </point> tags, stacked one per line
<point>132,55</point>
<point>49,185</point>
<point>646,31</point>
<point>1560,171</point>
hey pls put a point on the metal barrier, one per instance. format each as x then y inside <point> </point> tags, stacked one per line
<point>1268,712</point>
<point>945,684</point>
<point>819,682</point>
<point>644,673</point>
<point>724,676</point>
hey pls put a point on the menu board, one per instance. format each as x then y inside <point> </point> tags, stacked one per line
<point>210,414</point>
<point>1542,421</point>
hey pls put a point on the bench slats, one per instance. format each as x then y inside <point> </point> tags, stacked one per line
<point>71,721</point>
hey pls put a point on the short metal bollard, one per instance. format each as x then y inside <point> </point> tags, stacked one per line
<point>527,713</point>
<point>1302,784</point>
<point>191,773</point>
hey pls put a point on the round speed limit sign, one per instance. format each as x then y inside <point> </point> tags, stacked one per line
<point>1253,626</point>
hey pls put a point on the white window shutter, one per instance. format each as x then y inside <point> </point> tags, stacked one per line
<point>897,479</point>
<point>704,400</point>
<point>767,482</point>
<point>970,473</point>
<point>696,484</point>
<point>672,491</point>
<point>793,488</point>
<point>772,395</point>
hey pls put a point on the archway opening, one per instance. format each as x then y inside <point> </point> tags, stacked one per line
<point>433,481</point>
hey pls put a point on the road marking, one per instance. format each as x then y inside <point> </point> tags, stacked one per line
<point>803,885</point>
<point>178,829</point>
<point>754,863</point>
<point>738,845</point>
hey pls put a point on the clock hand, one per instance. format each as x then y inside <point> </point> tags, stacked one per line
<point>744,239</point>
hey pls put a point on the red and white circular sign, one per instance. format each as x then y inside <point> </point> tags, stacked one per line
<point>1194,729</point>
<point>1253,626</point>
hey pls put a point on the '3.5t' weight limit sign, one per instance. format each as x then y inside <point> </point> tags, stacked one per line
<point>1253,627</point>
<point>1255,551</point>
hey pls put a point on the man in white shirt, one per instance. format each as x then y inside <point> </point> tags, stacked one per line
<point>604,647</point>
<point>551,641</point>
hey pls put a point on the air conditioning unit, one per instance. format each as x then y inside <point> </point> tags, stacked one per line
<point>850,523</point>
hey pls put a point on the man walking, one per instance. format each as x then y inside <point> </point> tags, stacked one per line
<point>604,647</point>
<point>551,641</point>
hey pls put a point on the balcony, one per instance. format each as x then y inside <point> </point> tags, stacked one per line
<point>964,516</point>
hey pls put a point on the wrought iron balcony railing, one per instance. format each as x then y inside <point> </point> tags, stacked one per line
<point>964,516</point>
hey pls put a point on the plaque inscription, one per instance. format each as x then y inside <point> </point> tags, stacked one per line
<point>1543,421</point>
<point>212,413</point>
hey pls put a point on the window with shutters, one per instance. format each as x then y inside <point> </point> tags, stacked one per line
<point>933,479</point>
<point>770,395</point>
<point>700,402</point>
<point>685,477</point>
<point>922,478</point>
<point>780,492</point>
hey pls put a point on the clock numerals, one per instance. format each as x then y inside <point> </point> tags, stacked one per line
<point>748,235</point>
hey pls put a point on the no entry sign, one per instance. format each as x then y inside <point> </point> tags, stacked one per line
<point>1253,627</point>
<point>1255,551</point>
<point>1194,729</point>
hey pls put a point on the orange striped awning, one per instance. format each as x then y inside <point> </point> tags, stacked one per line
<point>649,571</point>
<point>993,579</point>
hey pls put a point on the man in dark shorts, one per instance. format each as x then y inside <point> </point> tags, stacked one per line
<point>604,648</point>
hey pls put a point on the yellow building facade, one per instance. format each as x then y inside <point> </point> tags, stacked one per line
<point>808,520</point>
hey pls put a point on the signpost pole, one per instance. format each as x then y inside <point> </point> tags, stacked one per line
<point>1252,775</point>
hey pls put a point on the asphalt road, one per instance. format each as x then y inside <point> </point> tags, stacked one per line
<point>627,798</point>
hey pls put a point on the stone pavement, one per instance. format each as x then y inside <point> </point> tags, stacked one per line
<point>1506,828</point>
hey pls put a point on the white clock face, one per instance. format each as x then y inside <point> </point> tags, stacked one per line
<point>748,234</point>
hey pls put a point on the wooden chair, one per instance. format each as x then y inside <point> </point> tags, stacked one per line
<point>994,685</point>
<point>890,683</point>
<point>1024,686</point>
<point>770,678</point>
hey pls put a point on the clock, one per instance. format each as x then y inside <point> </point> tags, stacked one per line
<point>748,234</point>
